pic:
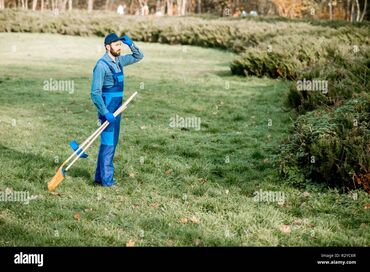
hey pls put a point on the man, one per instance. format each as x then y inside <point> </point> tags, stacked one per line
<point>107,93</point>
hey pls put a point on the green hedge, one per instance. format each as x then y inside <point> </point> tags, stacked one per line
<point>289,55</point>
<point>334,126</point>
<point>330,146</point>
<point>268,46</point>
<point>347,75</point>
<point>219,33</point>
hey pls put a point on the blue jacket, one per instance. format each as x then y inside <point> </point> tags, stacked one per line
<point>102,76</point>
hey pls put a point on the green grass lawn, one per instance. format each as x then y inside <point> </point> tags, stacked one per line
<point>177,187</point>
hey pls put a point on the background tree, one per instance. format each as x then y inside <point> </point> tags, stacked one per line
<point>90,5</point>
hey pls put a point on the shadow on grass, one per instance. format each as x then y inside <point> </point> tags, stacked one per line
<point>18,235</point>
<point>35,168</point>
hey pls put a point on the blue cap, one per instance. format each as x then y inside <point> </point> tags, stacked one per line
<point>111,37</point>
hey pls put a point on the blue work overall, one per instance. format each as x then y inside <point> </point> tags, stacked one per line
<point>112,97</point>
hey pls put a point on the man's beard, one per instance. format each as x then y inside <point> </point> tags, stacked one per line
<point>115,53</point>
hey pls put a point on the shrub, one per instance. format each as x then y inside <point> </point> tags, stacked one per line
<point>331,146</point>
<point>347,74</point>
<point>290,55</point>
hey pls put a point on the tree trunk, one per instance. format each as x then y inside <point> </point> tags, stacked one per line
<point>107,4</point>
<point>69,5</point>
<point>131,6</point>
<point>352,10</point>
<point>63,5</point>
<point>1,4</point>
<point>364,12</point>
<point>183,7</point>
<point>157,5</point>
<point>331,10</point>
<point>358,11</point>
<point>199,6</point>
<point>169,7</point>
<point>34,5</point>
<point>90,5</point>
<point>348,10</point>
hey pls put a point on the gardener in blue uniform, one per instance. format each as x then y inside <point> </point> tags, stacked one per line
<point>107,93</point>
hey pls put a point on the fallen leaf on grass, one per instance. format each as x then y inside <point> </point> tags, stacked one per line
<point>154,205</point>
<point>197,242</point>
<point>306,194</point>
<point>194,220</point>
<point>168,172</point>
<point>55,193</point>
<point>77,216</point>
<point>203,180</point>
<point>132,175</point>
<point>183,220</point>
<point>367,206</point>
<point>285,229</point>
<point>130,243</point>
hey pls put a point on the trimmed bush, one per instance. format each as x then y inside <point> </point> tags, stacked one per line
<point>346,73</point>
<point>289,56</point>
<point>332,147</point>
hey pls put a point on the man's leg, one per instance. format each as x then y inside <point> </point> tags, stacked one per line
<point>107,168</point>
<point>117,127</point>
<point>104,168</point>
<point>98,177</point>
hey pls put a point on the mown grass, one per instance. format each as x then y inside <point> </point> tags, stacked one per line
<point>176,187</point>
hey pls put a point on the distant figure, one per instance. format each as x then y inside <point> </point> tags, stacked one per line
<point>253,13</point>
<point>244,13</point>
<point>158,13</point>
<point>120,10</point>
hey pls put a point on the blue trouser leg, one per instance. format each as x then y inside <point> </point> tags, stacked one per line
<point>98,172</point>
<point>109,139</point>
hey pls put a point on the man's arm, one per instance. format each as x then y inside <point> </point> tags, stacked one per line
<point>136,56</point>
<point>96,89</point>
